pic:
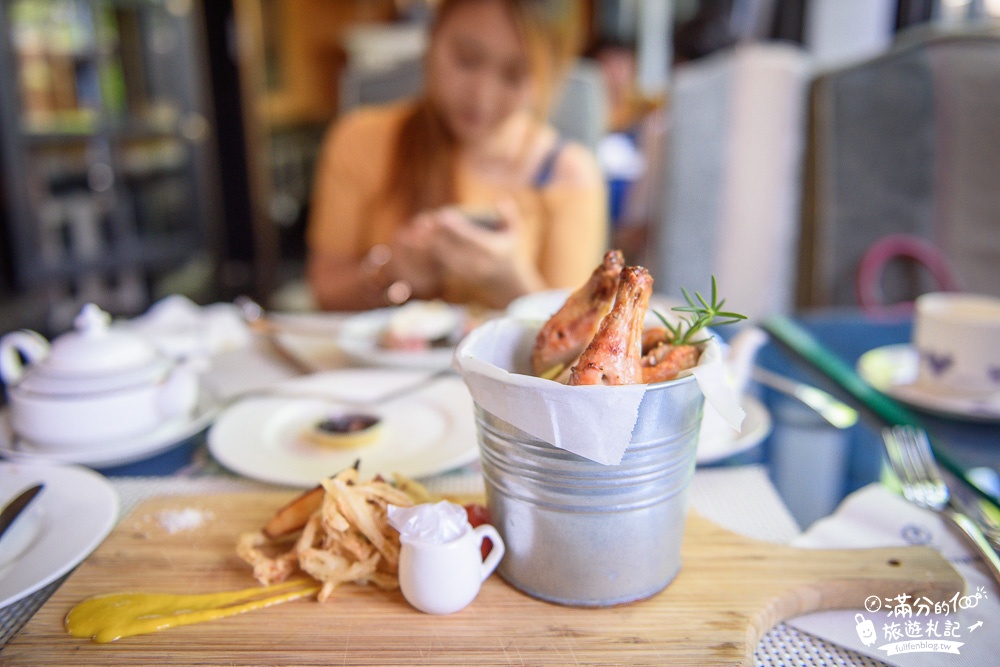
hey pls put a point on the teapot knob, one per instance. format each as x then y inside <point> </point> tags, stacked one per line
<point>30,345</point>
<point>92,320</point>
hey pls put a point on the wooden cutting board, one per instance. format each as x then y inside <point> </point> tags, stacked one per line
<point>730,591</point>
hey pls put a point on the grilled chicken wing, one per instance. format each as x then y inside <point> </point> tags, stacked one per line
<point>653,337</point>
<point>614,356</point>
<point>666,361</point>
<point>561,340</point>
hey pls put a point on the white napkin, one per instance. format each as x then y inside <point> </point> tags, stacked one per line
<point>494,362</point>
<point>874,516</point>
<point>181,328</point>
<point>717,431</point>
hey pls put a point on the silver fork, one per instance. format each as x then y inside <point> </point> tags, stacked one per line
<point>913,462</point>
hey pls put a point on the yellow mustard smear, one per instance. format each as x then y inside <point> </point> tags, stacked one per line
<point>106,618</point>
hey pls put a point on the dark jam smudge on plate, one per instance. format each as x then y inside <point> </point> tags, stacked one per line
<point>348,423</point>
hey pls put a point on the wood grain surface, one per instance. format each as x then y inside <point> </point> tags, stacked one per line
<point>730,591</point>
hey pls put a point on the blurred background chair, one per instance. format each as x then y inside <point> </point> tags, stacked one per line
<point>731,177</point>
<point>361,86</point>
<point>905,143</point>
<point>579,112</point>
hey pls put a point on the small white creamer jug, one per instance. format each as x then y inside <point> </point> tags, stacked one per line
<point>443,577</point>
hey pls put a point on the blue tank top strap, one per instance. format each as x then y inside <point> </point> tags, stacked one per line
<point>548,166</point>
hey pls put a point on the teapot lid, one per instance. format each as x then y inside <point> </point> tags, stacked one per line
<point>94,348</point>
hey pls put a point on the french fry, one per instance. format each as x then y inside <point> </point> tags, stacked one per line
<point>414,489</point>
<point>345,533</point>
<point>293,516</point>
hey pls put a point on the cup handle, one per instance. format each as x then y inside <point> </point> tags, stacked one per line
<point>31,345</point>
<point>492,560</point>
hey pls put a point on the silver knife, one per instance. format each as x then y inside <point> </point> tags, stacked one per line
<point>14,508</point>
<point>828,407</point>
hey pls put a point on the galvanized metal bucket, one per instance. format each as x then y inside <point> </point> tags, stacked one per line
<point>585,534</point>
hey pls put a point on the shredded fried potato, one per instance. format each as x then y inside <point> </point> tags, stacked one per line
<point>348,539</point>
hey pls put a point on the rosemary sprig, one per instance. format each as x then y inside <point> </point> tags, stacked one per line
<point>703,313</point>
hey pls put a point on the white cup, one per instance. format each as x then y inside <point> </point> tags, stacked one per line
<point>445,578</point>
<point>957,337</point>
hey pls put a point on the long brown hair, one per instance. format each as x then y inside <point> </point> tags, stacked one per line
<point>423,169</point>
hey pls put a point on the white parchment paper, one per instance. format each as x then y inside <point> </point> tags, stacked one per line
<point>594,422</point>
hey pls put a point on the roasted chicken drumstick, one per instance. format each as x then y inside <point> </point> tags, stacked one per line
<point>614,356</point>
<point>561,340</point>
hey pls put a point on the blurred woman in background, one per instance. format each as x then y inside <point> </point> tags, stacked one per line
<point>466,193</point>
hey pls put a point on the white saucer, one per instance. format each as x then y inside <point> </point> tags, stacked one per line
<point>716,445</point>
<point>423,433</point>
<point>114,453</point>
<point>76,510</point>
<point>359,336</point>
<point>893,370</point>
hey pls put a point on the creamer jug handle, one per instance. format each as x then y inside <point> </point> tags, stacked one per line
<point>28,344</point>
<point>493,559</point>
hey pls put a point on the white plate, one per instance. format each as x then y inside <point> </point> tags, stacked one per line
<point>359,335</point>
<point>76,510</point>
<point>893,370</point>
<point>756,426</point>
<point>114,453</point>
<point>423,433</point>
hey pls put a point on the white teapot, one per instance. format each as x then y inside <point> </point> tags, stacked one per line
<point>91,386</point>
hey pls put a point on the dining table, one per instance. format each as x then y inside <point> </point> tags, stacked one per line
<point>798,482</point>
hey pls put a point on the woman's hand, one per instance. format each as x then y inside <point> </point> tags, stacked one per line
<point>413,259</point>
<point>340,282</point>
<point>490,259</point>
